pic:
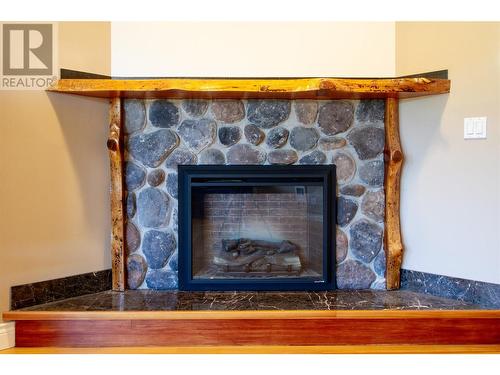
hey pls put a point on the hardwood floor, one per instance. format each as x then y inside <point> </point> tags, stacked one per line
<point>338,349</point>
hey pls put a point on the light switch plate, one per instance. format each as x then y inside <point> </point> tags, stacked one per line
<point>475,128</point>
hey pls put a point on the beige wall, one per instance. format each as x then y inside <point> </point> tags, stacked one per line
<point>253,49</point>
<point>54,185</point>
<point>451,186</point>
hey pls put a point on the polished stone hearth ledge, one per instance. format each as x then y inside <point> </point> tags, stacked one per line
<point>148,300</point>
<point>485,295</point>
<point>47,291</point>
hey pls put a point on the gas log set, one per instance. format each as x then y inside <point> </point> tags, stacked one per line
<point>259,257</point>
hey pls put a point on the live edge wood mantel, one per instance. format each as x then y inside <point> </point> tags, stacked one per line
<point>390,89</point>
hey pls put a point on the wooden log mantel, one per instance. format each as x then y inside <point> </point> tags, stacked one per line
<point>390,89</point>
<point>269,88</point>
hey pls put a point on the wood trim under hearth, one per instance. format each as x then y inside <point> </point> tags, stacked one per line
<point>250,314</point>
<point>250,328</point>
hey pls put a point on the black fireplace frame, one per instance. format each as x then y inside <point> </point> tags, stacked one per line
<point>207,175</point>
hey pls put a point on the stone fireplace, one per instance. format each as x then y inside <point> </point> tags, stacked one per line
<point>162,134</point>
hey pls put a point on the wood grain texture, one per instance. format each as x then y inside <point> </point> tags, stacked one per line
<point>267,349</point>
<point>243,332</point>
<point>393,164</point>
<point>117,218</point>
<point>289,88</point>
<point>249,315</point>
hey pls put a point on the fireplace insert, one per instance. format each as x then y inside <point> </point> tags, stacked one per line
<point>256,227</point>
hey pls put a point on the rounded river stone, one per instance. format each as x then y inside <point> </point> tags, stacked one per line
<point>136,270</point>
<point>371,111</point>
<point>282,157</point>
<point>228,111</point>
<point>352,274</point>
<point>346,210</point>
<point>163,114</point>
<point>245,154</point>
<point>306,111</point>
<point>173,262</point>
<point>229,135</point>
<point>335,117</point>
<point>372,172</point>
<point>368,141</point>
<point>152,148</point>
<point>130,205</point>
<point>132,238</point>
<point>267,113</point>
<point>156,177</point>
<point>331,143</point>
<point>135,176</point>
<point>195,107</point>
<point>354,190</point>
<point>303,139</point>
<point>379,264</point>
<point>366,240</point>
<point>277,137</point>
<point>175,222</point>
<point>198,134</point>
<point>253,134</point>
<point>157,246</point>
<point>345,166</point>
<point>314,158</point>
<point>373,205</point>
<point>153,207</point>
<point>135,115</point>
<point>161,280</point>
<point>180,157</point>
<point>171,183</point>
<point>341,243</point>
<point>212,156</point>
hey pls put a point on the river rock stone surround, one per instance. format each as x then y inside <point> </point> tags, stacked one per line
<point>162,134</point>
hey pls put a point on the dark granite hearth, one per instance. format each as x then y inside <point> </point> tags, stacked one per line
<point>34,294</point>
<point>485,295</point>
<point>148,300</point>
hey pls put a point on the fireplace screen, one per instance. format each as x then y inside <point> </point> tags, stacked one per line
<point>254,228</point>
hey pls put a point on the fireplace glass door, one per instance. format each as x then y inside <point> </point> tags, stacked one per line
<point>255,228</point>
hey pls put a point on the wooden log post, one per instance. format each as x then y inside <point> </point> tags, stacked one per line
<point>393,165</point>
<point>117,220</point>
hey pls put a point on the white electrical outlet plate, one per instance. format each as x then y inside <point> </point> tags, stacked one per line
<point>475,128</point>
